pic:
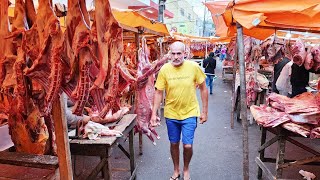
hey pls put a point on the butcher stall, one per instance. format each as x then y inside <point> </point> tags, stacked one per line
<point>261,19</point>
<point>94,60</point>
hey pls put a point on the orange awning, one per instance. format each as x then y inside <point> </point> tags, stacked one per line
<point>190,38</point>
<point>260,19</point>
<point>134,19</point>
<point>217,8</point>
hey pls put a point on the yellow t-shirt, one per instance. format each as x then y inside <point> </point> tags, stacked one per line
<point>180,86</point>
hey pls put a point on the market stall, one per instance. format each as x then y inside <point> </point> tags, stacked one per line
<point>260,20</point>
<point>77,55</point>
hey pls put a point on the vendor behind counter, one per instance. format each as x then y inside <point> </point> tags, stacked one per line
<point>300,79</point>
<point>277,70</point>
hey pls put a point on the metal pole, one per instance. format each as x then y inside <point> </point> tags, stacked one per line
<point>161,10</point>
<point>243,101</point>
<point>204,19</point>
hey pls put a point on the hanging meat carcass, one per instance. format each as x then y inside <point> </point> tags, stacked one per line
<point>299,53</point>
<point>145,91</point>
<point>107,38</point>
<point>315,51</point>
<point>6,47</point>
<point>29,130</point>
<point>309,62</point>
<point>79,54</point>
<point>43,44</point>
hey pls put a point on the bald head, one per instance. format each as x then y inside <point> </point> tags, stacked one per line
<point>178,46</point>
<point>177,53</point>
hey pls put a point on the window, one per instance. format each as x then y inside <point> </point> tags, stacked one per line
<point>182,12</point>
<point>189,16</point>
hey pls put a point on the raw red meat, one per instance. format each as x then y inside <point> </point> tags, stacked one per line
<point>315,133</point>
<point>299,53</point>
<point>315,51</point>
<point>303,130</point>
<point>303,103</point>
<point>268,116</point>
<point>309,62</point>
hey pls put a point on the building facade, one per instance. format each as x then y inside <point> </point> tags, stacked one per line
<point>185,20</point>
<point>148,8</point>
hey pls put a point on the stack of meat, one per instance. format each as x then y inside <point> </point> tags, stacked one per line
<point>310,58</point>
<point>300,114</point>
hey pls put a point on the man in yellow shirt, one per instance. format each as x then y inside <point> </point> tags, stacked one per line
<point>180,79</point>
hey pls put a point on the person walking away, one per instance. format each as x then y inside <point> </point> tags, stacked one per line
<point>210,65</point>
<point>223,53</point>
<point>276,72</point>
<point>179,79</point>
<point>283,84</point>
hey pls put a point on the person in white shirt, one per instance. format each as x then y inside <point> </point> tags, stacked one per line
<point>283,82</point>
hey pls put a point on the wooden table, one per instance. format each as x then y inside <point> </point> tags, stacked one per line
<point>103,147</point>
<point>226,70</point>
<point>281,136</point>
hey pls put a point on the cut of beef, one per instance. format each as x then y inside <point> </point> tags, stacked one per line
<point>303,103</point>
<point>303,130</point>
<point>268,116</point>
<point>315,133</point>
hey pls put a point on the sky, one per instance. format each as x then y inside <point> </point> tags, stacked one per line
<point>198,7</point>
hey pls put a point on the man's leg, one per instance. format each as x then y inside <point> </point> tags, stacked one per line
<point>187,155</point>
<point>188,128</point>
<point>174,131</point>
<point>174,149</point>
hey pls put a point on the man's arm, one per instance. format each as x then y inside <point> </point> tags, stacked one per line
<point>204,99</point>
<point>156,104</point>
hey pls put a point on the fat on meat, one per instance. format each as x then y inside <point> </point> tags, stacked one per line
<point>303,130</point>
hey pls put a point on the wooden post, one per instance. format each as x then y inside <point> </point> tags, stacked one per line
<point>234,71</point>
<point>206,55</point>
<point>280,154</point>
<point>137,41</point>
<point>261,153</point>
<point>62,140</point>
<point>243,101</point>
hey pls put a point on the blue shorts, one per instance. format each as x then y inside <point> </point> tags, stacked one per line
<point>186,126</point>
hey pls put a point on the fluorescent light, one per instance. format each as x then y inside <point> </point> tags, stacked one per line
<point>288,35</point>
<point>149,11</point>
